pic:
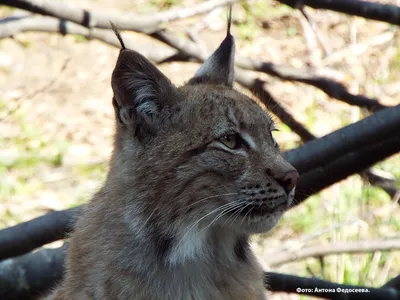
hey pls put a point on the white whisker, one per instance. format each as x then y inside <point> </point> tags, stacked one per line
<point>222,207</point>
<point>239,212</point>
<point>224,212</point>
<point>210,197</point>
<point>246,215</point>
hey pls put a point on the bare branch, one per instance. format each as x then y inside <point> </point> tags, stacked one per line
<point>278,259</point>
<point>25,237</point>
<point>315,31</point>
<point>366,9</point>
<point>375,128</point>
<point>330,87</point>
<point>92,19</point>
<point>185,50</point>
<point>31,275</point>
<point>330,172</point>
<point>13,25</point>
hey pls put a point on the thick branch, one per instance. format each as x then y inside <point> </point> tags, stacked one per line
<point>30,275</point>
<point>92,19</point>
<point>375,128</point>
<point>367,9</point>
<point>353,162</point>
<point>27,236</point>
<point>291,255</point>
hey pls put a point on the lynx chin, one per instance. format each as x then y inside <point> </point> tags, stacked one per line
<point>194,172</point>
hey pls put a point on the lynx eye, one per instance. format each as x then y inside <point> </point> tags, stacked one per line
<point>275,143</point>
<point>232,141</point>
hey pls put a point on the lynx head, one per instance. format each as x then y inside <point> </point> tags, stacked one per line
<point>196,157</point>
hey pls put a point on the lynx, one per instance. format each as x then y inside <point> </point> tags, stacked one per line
<point>194,172</point>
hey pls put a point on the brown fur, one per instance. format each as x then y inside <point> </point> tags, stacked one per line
<point>173,218</point>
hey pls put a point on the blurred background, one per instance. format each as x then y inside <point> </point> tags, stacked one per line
<point>57,122</point>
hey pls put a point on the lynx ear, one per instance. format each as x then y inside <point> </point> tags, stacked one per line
<point>219,67</point>
<point>141,92</point>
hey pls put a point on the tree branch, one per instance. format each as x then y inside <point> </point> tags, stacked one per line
<point>31,275</point>
<point>92,19</point>
<point>308,76</point>
<point>352,162</point>
<point>27,236</point>
<point>372,129</point>
<point>292,255</point>
<point>367,9</point>
<point>330,87</point>
<point>14,25</point>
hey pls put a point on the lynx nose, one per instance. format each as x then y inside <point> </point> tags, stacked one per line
<point>288,180</point>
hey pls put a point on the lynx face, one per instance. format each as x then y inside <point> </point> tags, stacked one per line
<point>200,157</point>
<point>223,161</point>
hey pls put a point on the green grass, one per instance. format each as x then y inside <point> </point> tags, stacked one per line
<point>164,4</point>
<point>80,38</point>
<point>22,158</point>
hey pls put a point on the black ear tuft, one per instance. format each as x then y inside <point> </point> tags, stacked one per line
<point>228,29</point>
<point>118,34</point>
<point>219,67</point>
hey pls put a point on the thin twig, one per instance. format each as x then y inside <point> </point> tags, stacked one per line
<point>278,259</point>
<point>39,90</point>
<point>316,32</point>
<point>299,242</point>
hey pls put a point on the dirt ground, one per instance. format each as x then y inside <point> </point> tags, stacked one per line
<point>55,101</point>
